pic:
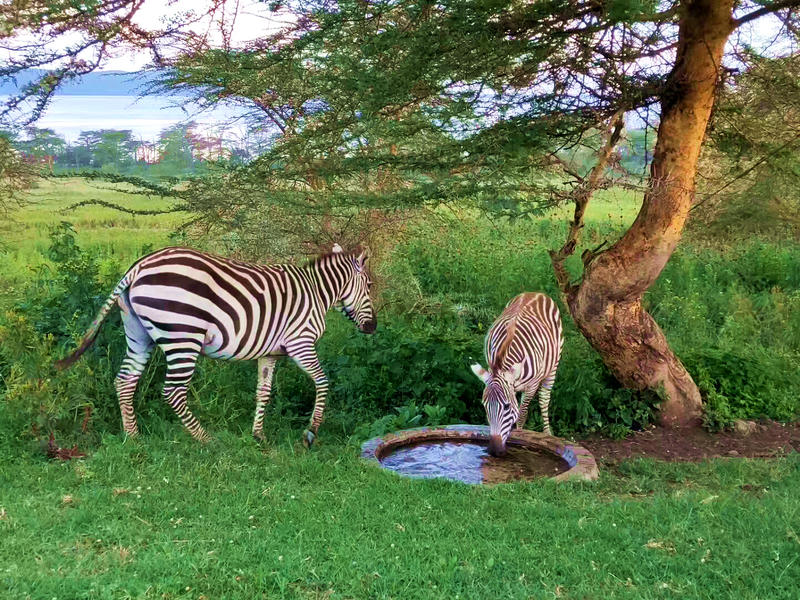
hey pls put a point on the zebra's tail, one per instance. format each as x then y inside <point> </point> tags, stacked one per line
<point>94,329</point>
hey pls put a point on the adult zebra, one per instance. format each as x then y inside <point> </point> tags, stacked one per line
<point>523,347</point>
<point>191,303</point>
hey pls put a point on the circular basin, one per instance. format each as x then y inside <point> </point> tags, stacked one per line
<point>459,452</point>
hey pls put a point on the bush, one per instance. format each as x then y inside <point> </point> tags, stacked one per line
<point>407,417</point>
<point>422,360</point>
<point>56,308</point>
<point>733,318</point>
<point>744,386</point>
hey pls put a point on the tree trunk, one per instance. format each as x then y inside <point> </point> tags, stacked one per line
<point>607,305</point>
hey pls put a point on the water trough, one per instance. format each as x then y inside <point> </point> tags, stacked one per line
<point>459,452</point>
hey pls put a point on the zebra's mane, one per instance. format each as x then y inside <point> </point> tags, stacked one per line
<point>502,351</point>
<point>330,256</point>
<point>514,308</point>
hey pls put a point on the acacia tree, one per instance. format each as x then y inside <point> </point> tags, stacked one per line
<point>509,83</point>
<point>473,98</point>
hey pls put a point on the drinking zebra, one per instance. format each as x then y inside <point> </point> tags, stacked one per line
<point>523,347</point>
<point>191,303</point>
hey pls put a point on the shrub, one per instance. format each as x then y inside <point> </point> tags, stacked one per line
<point>406,417</point>
<point>57,307</point>
<point>744,386</point>
<point>733,318</point>
<point>421,360</point>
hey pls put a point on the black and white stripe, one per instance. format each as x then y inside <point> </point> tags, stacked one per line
<point>191,303</point>
<point>523,347</point>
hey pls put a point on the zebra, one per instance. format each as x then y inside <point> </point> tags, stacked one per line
<point>523,347</point>
<point>191,303</point>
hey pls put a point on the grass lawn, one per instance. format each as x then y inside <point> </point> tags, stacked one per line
<point>165,517</point>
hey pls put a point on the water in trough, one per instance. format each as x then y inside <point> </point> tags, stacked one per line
<point>470,462</point>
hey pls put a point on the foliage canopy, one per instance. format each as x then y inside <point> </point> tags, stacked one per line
<point>751,164</point>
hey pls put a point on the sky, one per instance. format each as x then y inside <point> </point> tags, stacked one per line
<point>251,20</point>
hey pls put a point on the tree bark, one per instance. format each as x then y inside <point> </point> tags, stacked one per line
<point>607,305</point>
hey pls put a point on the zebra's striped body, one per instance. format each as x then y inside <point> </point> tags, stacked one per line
<point>523,348</point>
<point>191,303</point>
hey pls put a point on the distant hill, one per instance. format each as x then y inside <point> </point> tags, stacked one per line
<point>104,83</point>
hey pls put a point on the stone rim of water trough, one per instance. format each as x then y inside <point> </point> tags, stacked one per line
<point>581,462</point>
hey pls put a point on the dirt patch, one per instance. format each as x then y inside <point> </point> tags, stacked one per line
<point>767,439</point>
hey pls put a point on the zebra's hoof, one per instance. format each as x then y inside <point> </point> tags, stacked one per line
<point>308,438</point>
<point>259,436</point>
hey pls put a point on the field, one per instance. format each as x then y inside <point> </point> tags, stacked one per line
<point>165,517</point>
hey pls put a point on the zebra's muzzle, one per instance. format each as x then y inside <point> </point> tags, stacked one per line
<point>369,326</point>
<point>496,446</point>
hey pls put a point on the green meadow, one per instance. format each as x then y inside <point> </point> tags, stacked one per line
<point>165,517</point>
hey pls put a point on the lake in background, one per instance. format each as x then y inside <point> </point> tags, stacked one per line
<point>146,117</point>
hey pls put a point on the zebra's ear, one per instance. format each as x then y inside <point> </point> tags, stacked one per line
<point>480,372</point>
<point>360,261</point>
<point>336,249</point>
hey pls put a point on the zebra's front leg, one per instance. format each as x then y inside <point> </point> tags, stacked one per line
<point>527,396</point>
<point>266,368</point>
<point>544,403</point>
<point>306,358</point>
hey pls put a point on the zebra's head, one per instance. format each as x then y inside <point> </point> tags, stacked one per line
<point>500,402</point>
<point>356,301</point>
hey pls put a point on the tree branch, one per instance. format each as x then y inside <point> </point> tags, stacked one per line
<point>747,171</point>
<point>581,195</point>
<point>130,211</point>
<point>765,10</point>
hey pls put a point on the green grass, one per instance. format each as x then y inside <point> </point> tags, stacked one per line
<point>25,236</point>
<point>164,517</point>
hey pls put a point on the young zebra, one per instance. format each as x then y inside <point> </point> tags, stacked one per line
<point>523,348</point>
<point>191,303</point>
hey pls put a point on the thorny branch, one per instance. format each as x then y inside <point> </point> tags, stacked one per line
<point>131,211</point>
<point>581,195</point>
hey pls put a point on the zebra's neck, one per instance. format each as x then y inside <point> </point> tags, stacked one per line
<point>331,274</point>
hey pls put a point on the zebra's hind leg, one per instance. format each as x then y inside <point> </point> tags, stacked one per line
<point>527,396</point>
<point>140,347</point>
<point>544,403</point>
<point>129,373</point>
<point>181,363</point>
<point>306,358</point>
<point>266,367</point>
